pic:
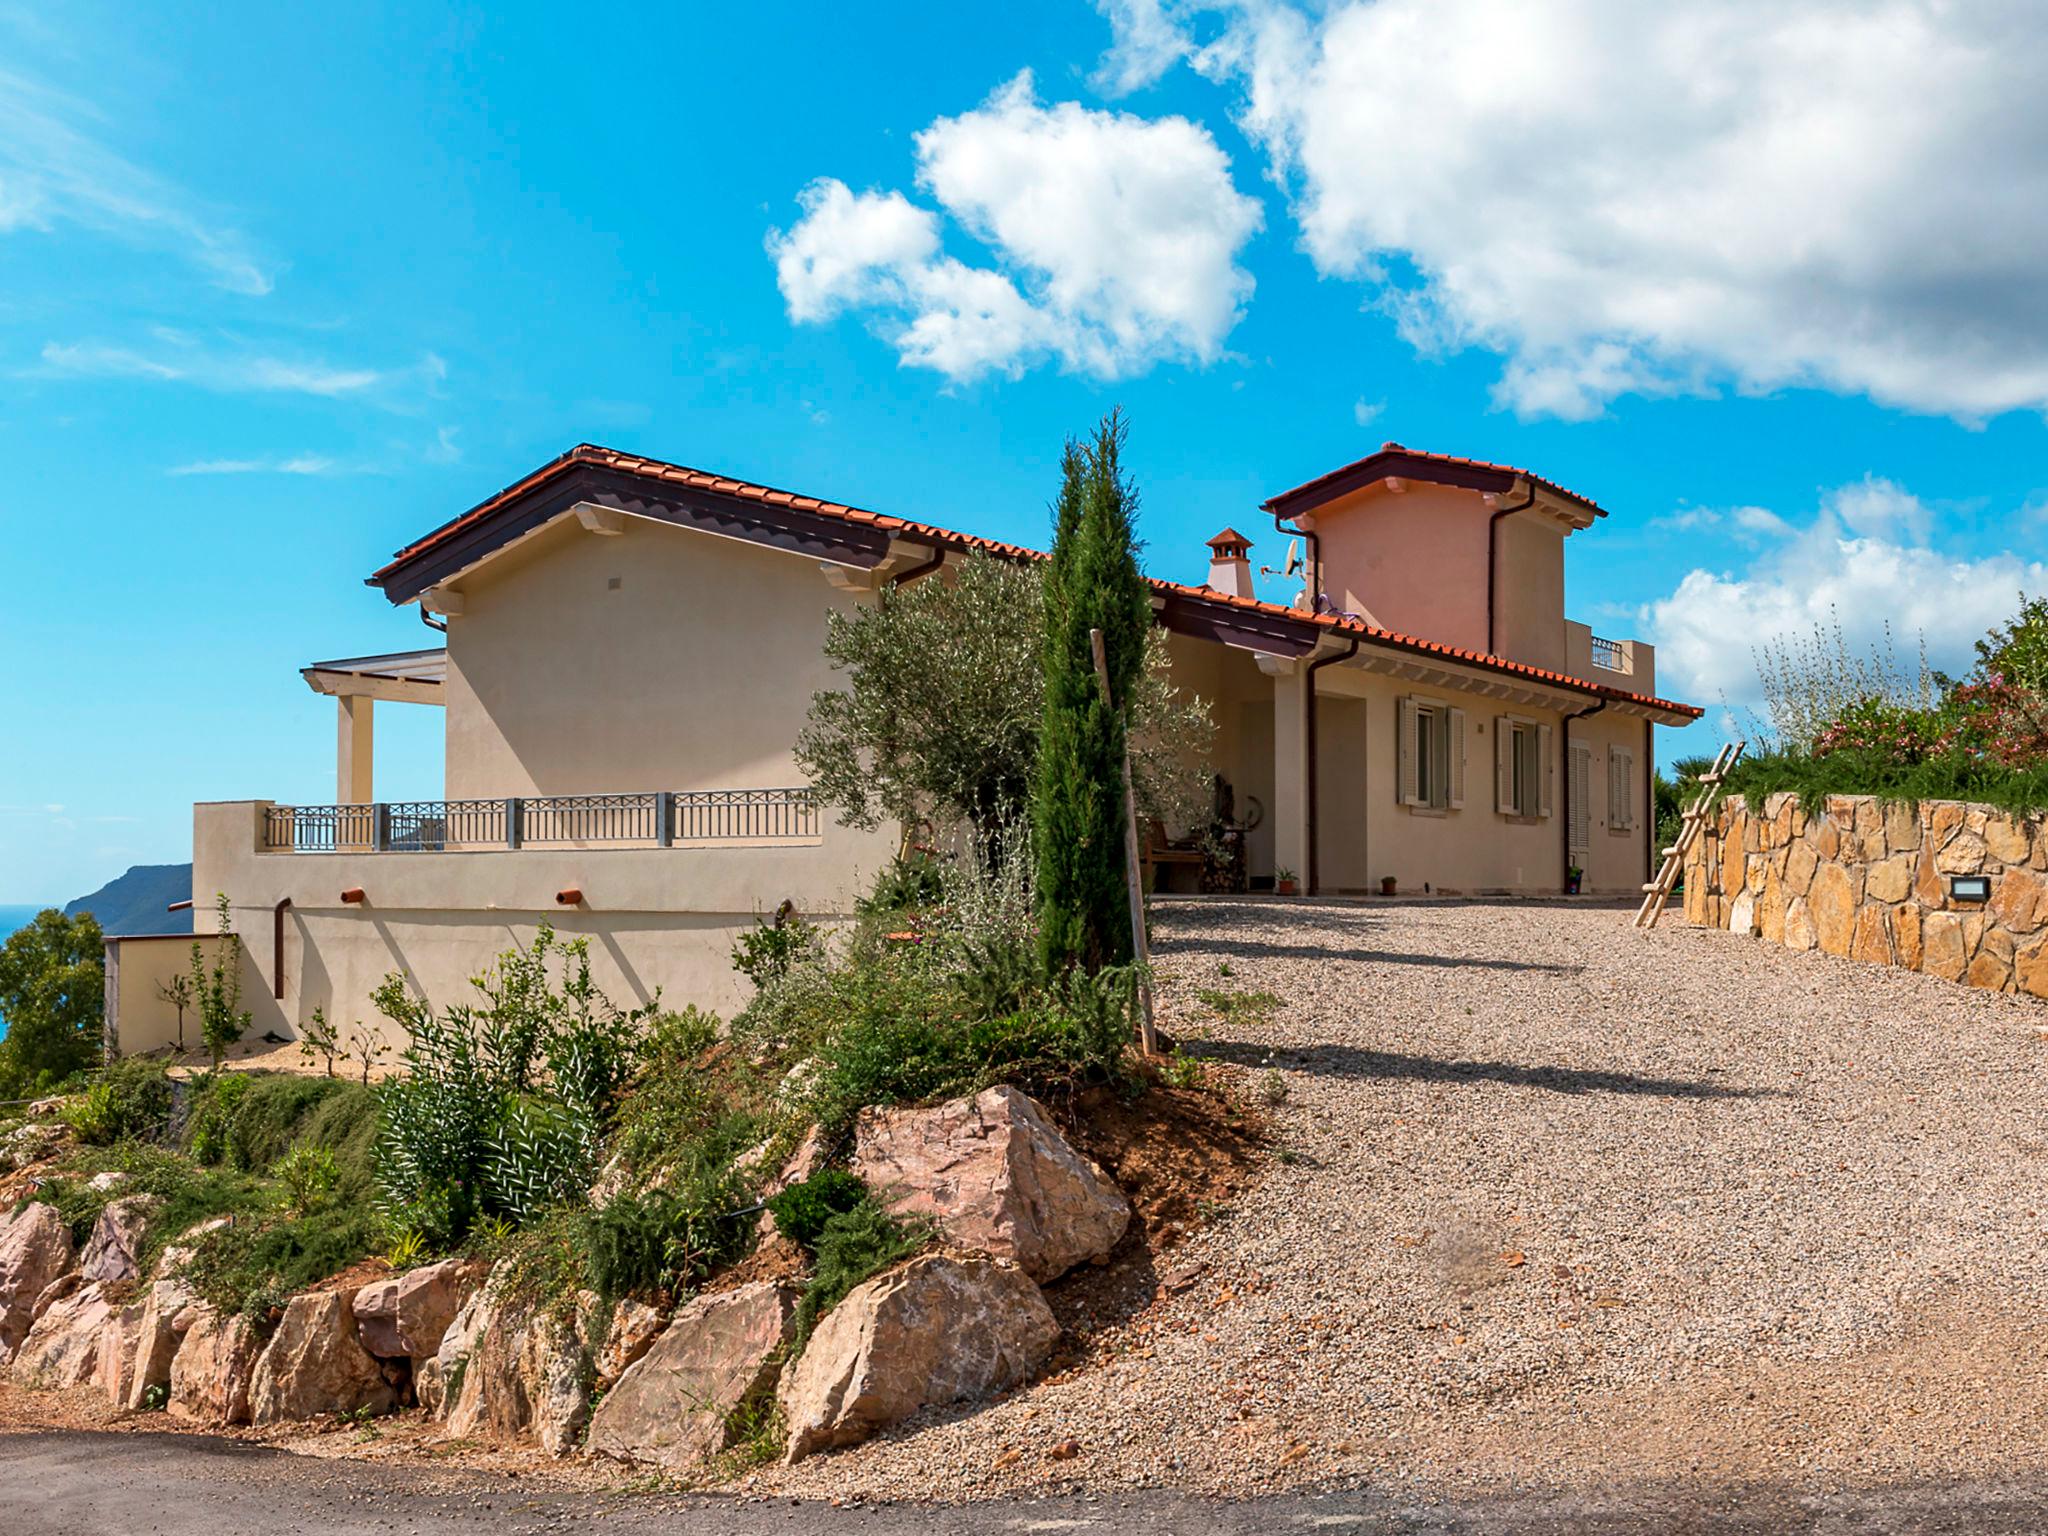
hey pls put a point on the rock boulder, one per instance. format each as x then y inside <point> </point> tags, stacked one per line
<point>115,1370</point>
<point>212,1372</point>
<point>63,1347</point>
<point>526,1375</point>
<point>35,1248</point>
<point>677,1407</point>
<point>405,1317</point>
<point>113,1251</point>
<point>940,1329</point>
<point>165,1304</point>
<point>995,1175</point>
<point>315,1364</point>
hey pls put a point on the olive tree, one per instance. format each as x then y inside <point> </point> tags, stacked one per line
<point>944,702</point>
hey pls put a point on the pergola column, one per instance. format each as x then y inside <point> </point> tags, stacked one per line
<point>354,749</point>
<point>1290,767</point>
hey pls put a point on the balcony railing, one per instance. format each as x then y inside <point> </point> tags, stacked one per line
<point>1611,655</point>
<point>658,818</point>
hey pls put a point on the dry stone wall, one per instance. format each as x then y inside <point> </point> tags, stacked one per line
<point>1869,880</point>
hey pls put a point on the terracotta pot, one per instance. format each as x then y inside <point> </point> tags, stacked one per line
<point>1283,887</point>
<point>1387,885</point>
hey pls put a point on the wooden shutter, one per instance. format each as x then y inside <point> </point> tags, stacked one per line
<point>1504,766</point>
<point>1621,789</point>
<point>1546,759</point>
<point>1407,780</point>
<point>1454,758</point>
<point>1581,836</point>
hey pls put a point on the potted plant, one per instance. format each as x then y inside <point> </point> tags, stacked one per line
<point>1283,882</point>
<point>1388,885</point>
<point>1573,878</point>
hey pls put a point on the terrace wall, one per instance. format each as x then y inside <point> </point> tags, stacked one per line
<point>1870,880</point>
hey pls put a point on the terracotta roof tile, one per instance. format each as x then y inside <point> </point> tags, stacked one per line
<point>587,453</point>
<point>1395,460</point>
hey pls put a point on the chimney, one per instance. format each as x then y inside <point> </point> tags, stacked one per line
<point>1230,566</point>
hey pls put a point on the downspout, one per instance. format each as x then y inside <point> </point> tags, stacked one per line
<point>1650,859</point>
<point>1493,564</point>
<point>431,622</point>
<point>1565,778</point>
<point>277,947</point>
<point>922,569</point>
<point>1308,705</point>
<point>1314,584</point>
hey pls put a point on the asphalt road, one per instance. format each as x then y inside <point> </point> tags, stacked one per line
<point>78,1483</point>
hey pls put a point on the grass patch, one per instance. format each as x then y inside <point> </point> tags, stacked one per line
<point>1234,1006</point>
<point>2022,791</point>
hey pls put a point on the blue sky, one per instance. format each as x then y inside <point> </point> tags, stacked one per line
<point>283,286</point>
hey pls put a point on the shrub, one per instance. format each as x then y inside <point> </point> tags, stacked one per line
<point>667,1240</point>
<point>217,989</point>
<point>910,882</point>
<point>765,952</point>
<point>802,1211</point>
<point>504,1104</point>
<point>309,1174</point>
<point>854,1246</point>
<point>127,1099</point>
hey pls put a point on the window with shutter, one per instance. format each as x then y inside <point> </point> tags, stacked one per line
<point>1408,781</point>
<point>1581,797</point>
<point>1454,758</point>
<point>1621,789</point>
<point>1546,767</point>
<point>1504,766</point>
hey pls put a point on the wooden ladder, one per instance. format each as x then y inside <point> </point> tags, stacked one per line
<point>1658,891</point>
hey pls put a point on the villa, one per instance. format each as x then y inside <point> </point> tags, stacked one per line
<point>631,648</point>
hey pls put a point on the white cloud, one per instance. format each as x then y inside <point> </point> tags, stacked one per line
<point>1627,198</point>
<point>1862,562</point>
<point>1148,40</point>
<point>234,370</point>
<point>1115,240</point>
<point>54,172</point>
<point>298,464</point>
<point>1366,412</point>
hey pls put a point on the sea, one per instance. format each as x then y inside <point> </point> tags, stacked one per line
<point>12,918</point>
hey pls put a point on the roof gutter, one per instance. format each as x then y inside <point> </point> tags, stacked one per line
<point>1493,562</point>
<point>1308,705</point>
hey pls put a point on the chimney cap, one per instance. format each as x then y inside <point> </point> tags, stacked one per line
<point>1390,446</point>
<point>1228,539</point>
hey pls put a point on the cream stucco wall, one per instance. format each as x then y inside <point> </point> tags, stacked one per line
<point>1363,832</point>
<point>587,663</point>
<point>658,919</point>
<point>137,967</point>
<point>1414,559</point>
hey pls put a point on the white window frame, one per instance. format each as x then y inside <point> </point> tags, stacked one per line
<point>1430,776</point>
<point>1522,768</point>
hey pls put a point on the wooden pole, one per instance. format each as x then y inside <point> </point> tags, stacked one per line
<point>1148,1039</point>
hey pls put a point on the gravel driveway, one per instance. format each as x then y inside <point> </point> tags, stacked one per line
<point>1558,1203</point>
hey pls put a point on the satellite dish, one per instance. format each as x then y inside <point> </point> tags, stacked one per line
<point>1293,556</point>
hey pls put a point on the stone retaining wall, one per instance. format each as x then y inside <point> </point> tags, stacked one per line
<point>1870,880</point>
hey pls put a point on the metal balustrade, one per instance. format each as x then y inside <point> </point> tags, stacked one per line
<point>659,818</point>
<point>1611,655</point>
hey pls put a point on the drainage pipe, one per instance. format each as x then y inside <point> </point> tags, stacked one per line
<point>1565,778</point>
<point>1493,563</point>
<point>277,947</point>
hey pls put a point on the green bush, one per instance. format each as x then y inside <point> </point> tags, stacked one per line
<point>665,1241</point>
<point>505,1103</point>
<point>309,1174</point>
<point>131,1098</point>
<point>854,1246</point>
<point>765,952</point>
<point>802,1211</point>
<point>912,881</point>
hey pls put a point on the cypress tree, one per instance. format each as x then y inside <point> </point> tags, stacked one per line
<point>1092,582</point>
